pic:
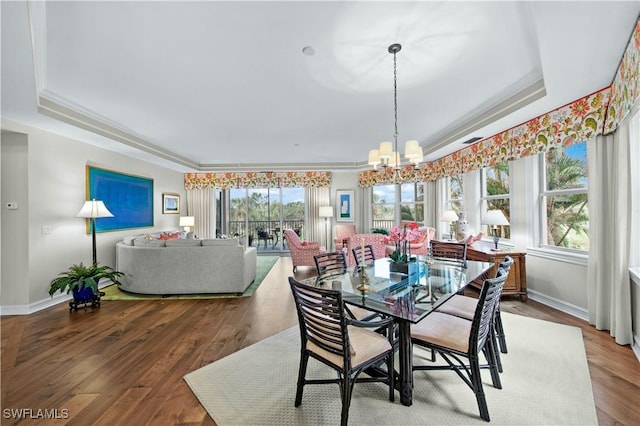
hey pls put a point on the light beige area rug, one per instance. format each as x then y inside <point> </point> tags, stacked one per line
<point>545,382</point>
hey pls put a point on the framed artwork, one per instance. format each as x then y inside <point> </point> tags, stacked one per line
<point>170,203</point>
<point>344,205</point>
<point>129,198</point>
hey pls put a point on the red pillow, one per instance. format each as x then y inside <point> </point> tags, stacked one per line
<point>304,243</point>
<point>164,237</point>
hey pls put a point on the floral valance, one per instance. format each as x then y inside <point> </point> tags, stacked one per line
<point>225,180</point>
<point>625,89</point>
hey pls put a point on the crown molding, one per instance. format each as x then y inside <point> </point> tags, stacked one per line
<point>523,97</point>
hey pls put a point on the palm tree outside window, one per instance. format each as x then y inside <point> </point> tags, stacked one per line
<point>564,201</point>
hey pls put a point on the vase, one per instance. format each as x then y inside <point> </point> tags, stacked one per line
<point>407,268</point>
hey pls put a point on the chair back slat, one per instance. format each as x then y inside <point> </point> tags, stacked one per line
<point>321,317</point>
<point>330,264</point>
<point>369,255</point>
<point>447,250</point>
<point>483,317</point>
<point>506,263</point>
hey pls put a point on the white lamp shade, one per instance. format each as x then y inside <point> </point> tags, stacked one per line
<point>495,217</point>
<point>326,211</point>
<point>449,216</point>
<point>374,157</point>
<point>187,221</point>
<point>93,209</point>
<point>412,150</point>
<point>386,150</point>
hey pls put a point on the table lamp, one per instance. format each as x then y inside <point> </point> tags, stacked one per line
<point>187,222</point>
<point>495,218</point>
<point>92,210</point>
<point>450,216</point>
<point>326,212</point>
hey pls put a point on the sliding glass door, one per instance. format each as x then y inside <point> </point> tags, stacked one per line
<point>260,215</point>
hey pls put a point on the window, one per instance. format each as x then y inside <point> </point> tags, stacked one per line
<point>496,195</point>
<point>564,203</point>
<point>455,200</point>
<point>384,206</point>
<point>266,209</point>
<point>406,198</point>
<point>412,202</point>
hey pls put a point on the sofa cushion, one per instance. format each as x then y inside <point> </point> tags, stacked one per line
<point>143,242</point>
<point>183,243</point>
<point>220,242</point>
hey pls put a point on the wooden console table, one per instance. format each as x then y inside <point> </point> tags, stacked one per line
<point>516,283</point>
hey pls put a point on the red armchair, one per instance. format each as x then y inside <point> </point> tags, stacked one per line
<point>302,252</point>
<point>342,233</point>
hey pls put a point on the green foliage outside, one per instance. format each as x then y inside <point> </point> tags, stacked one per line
<point>567,215</point>
<point>263,210</point>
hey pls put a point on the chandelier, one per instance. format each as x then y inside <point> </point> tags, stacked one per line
<point>387,155</point>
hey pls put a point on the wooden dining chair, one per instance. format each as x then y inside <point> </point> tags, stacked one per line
<point>369,255</point>
<point>334,264</point>
<point>340,343</point>
<point>448,250</point>
<point>464,307</point>
<point>330,264</point>
<point>456,339</point>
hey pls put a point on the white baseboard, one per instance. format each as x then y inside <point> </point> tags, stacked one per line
<point>560,305</point>
<point>38,306</point>
<point>636,346</point>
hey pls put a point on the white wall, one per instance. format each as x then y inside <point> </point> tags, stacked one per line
<point>15,270</point>
<point>54,188</point>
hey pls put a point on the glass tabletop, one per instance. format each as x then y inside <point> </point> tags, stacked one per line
<point>407,296</point>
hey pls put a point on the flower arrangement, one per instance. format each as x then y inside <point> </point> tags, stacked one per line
<point>401,237</point>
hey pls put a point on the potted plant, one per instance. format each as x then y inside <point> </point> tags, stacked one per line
<point>83,281</point>
<point>401,237</point>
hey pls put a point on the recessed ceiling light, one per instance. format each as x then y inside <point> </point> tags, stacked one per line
<point>308,50</point>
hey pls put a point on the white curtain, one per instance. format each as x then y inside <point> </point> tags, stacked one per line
<point>315,197</point>
<point>199,205</point>
<point>610,221</point>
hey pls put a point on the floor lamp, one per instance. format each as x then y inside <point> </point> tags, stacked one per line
<point>326,212</point>
<point>92,210</point>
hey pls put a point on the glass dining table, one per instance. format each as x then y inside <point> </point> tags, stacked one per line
<point>406,297</point>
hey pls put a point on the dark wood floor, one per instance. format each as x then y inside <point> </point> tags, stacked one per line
<point>123,363</point>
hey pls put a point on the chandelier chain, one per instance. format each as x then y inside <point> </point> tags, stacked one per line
<point>395,102</point>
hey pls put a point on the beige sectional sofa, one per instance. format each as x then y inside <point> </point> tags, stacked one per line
<point>181,266</point>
